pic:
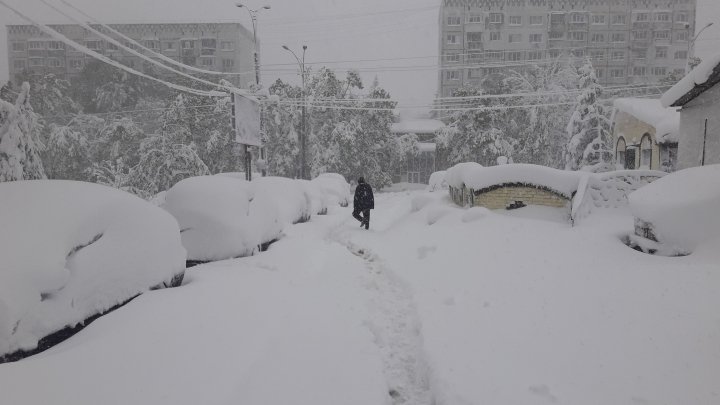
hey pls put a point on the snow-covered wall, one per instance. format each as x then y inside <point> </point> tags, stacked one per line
<point>692,127</point>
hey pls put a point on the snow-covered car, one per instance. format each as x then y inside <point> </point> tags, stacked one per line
<point>71,251</point>
<point>293,202</point>
<point>677,213</point>
<point>318,198</point>
<point>335,187</point>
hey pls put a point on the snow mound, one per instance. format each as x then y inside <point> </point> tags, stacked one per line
<point>665,120</point>
<point>335,187</point>
<point>682,207</point>
<point>72,250</point>
<point>696,77</point>
<point>475,214</point>
<point>437,181</point>
<point>318,199</point>
<point>476,177</point>
<point>293,202</point>
<point>420,202</point>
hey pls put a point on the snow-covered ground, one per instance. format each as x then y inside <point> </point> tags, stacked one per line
<point>435,304</point>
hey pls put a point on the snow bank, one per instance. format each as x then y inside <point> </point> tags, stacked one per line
<point>71,250</point>
<point>697,76</point>
<point>214,217</point>
<point>318,199</point>
<point>682,207</point>
<point>293,202</point>
<point>438,181</point>
<point>665,120</point>
<point>335,187</point>
<point>476,177</point>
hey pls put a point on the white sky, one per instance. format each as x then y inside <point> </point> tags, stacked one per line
<point>335,31</point>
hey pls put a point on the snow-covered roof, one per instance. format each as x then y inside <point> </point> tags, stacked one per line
<point>427,146</point>
<point>417,126</point>
<point>477,177</point>
<point>703,77</point>
<point>666,121</point>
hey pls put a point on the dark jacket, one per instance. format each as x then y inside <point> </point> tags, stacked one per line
<point>364,198</point>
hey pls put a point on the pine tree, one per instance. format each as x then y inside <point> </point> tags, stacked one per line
<point>590,142</point>
<point>19,140</point>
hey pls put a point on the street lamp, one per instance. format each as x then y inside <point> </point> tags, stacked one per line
<point>254,18</point>
<point>691,43</point>
<point>303,130</point>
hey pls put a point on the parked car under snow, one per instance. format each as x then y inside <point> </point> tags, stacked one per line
<point>677,213</point>
<point>72,251</point>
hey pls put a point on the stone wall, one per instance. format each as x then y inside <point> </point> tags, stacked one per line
<point>501,197</point>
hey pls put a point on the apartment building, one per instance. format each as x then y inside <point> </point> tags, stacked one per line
<point>629,41</point>
<point>222,47</point>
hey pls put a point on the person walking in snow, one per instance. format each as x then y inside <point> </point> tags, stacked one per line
<point>363,202</point>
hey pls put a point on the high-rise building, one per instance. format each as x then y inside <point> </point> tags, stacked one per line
<point>222,47</point>
<point>628,41</point>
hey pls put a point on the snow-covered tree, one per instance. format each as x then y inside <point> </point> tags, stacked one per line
<point>67,155</point>
<point>590,141</point>
<point>19,140</point>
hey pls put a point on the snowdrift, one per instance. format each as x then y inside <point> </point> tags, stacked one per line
<point>682,207</point>
<point>438,181</point>
<point>73,250</point>
<point>335,187</point>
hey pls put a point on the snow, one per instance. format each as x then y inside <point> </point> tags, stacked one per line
<point>665,120</point>
<point>476,177</point>
<point>417,126</point>
<point>438,181</point>
<point>427,146</point>
<point>336,189</point>
<point>682,207</point>
<point>697,76</point>
<point>293,202</point>
<point>435,304</point>
<point>71,250</point>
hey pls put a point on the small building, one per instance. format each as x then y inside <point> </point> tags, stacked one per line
<point>646,135</point>
<point>698,96</point>
<point>418,168</point>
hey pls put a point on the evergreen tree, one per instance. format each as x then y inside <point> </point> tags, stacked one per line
<point>19,140</point>
<point>590,142</point>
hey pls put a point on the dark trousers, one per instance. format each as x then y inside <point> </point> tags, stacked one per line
<point>364,219</point>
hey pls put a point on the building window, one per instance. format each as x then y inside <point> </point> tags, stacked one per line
<point>496,18</point>
<point>618,37</point>
<point>514,56</point>
<point>661,53</point>
<point>36,45</point>
<point>54,63</point>
<point>56,45</point>
<point>76,64</point>
<point>681,36</point>
<point>536,20</point>
<point>228,63</point>
<point>535,38</point>
<point>681,54</point>
<point>111,47</point>
<point>18,47</point>
<point>209,43</point>
<point>619,19</point>
<point>227,46</point>
<point>620,153</point>
<point>515,20</point>
<point>578,52</point>
<point>473,57</point>
<point>534,55</point>
<point>599,19</point>
<point>597,37</point>
<point>642,17</point>
<point>662,17</point>
<point>206,61</point>
<point>474,73</point>
<point>454,20</point>
<point>474,36</point>
<point>475,19</point>
<point>617,73</point>
<point>578,36</point>
<point>639,71</point>
<point>640,35</point>
<point>452,58</point>
<point>452,39</point>
<point>662,35</point>
<point>514,38</point>
<point>618,56</point>
<point>495,55</point>
<point>659,71</point>
<point>452,75</point>
<point>554,53</point>
<point>19,64</point>
<point>151,44</point>
<point>557,35</point>
<point>495,36</point>
<point>579,18</point>
<point>597,55</point>
<point>646,152</point>
<point>93,45</point>
<point>187,44</point>
<point>639,53</point>
<point>37,62</point>
<point>169,46</point>
<point>682,17</point>
<point>600,73</point>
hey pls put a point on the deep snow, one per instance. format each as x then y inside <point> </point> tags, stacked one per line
<point>434,305</point>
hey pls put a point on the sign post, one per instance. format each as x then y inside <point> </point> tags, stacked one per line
<point>246,123</point>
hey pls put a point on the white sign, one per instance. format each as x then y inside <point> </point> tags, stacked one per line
<point>247,121</point>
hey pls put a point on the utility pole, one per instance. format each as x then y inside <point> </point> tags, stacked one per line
<point>254,19</point>
<point>304,173</point>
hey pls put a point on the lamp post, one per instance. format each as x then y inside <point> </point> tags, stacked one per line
<point>691,43</point>
<point>303,130</point>
<point>254,18</point>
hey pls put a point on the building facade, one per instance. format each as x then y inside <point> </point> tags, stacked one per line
<point>628,41</point>
<point>222,47</point>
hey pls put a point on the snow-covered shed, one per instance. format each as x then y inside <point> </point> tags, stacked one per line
<point>418,168</point>
<point>646,134</point>
<point>698,96</point>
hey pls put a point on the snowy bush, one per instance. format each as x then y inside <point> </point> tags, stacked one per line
<point>336,189</point>
<point>73,250</point>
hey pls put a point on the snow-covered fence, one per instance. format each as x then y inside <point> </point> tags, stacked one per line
<point>609,190</point>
